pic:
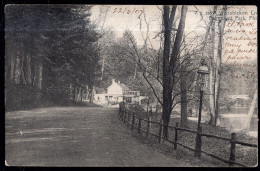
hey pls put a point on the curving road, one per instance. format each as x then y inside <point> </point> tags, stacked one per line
<point>76,136</point>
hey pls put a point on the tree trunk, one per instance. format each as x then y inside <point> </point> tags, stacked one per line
<point>34,75</point>
<point>169,65</point>
<point>82,94</point>
<point>87,92</point>
<point>135,71</point>
<point>167,76</point>
<point>167,103</point>
<point>75,93</point>
<point>218,67</point>
<point>183,87</point>
<point>212,71</point>
<point>71,91</point>
<point>12,68</point>
<point>91,95</point>
<point>79,94</point>
<point>174,60</point>
<point>251,111</point>
<point>17,72</point>
<point>103,66</point>
<point>22,70</point>
<point>157,109</point>
<point>39,74</point>
<point>29,71</point>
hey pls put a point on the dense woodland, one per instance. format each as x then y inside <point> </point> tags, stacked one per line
<point>55,55</point>
<point>51,54</point>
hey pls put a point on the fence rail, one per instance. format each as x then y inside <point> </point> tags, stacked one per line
<point>214,136</point>
<point>126,115</point>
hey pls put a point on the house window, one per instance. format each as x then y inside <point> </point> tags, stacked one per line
<point>128,99</point>
<point>143,101</point>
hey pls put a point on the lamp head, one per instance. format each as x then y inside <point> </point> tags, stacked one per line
<point>203,69</point>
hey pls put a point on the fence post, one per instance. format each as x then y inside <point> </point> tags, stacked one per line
<point>128,118</point>
<point>176,135</point>
<point>119,111</point>
<point>125,116</point>
<point>232,149</point>
<point>198,143</point>
<point>160,131</point>
<point>133,121</point>
<point>139,125</point>
<point>148,126</point>
<point>122,114</point>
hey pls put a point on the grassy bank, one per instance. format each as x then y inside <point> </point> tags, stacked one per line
<point>244,155</point>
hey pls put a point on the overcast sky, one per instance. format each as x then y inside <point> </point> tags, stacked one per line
<point>128,18</point>
<point>119,22</point>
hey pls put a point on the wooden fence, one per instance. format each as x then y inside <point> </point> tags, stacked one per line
<point>130,118</point>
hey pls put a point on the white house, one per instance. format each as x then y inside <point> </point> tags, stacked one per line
<point>116,92</point>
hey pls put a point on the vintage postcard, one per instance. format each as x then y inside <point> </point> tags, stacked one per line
<point>131,85</point>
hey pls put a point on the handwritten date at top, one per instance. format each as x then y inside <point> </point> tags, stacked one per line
<point>126,10</point>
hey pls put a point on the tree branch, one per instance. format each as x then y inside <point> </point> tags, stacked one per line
<point>152,89</point>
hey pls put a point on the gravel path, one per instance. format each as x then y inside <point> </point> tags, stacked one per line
<point>76,136</point>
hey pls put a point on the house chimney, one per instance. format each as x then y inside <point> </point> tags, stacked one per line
<point>113,81</point>
<point>118,82</point>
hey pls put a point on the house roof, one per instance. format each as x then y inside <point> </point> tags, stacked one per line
<point>124,87</point>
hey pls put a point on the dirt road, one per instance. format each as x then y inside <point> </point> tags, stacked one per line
<point>76,136</point>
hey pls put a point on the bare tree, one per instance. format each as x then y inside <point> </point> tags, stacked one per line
<point>221,27</point>
<point>215,60</point>
<point>251,111</point>
<point>211,66</point>
<point>170,59</point>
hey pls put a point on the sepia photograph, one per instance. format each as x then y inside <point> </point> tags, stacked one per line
<point>131,85</point>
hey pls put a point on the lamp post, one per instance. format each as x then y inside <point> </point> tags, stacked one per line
<point>202,71</point>
<point>124,98</point>
<point>147,101</point>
